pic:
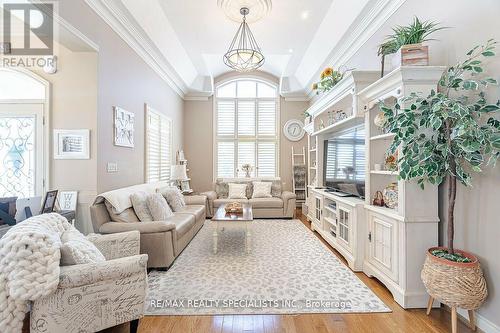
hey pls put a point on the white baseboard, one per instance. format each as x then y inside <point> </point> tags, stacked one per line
<point>482,323</point>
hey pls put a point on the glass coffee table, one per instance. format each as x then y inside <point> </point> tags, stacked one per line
<point>241,220</point>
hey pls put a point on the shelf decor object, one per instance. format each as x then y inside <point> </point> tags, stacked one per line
<point>244,53</point>
<point>405,45</point>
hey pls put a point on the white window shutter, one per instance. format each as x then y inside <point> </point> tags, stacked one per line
<point>247,131</point>
<point>246,155</point>
<point>266,111</point>
<point>266,153</point>
<point>225,159</point>
<point>246,118</point>
<point>158,146</point>
<point>225,118</point>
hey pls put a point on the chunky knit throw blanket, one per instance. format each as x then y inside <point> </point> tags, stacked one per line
<point>29,266</point>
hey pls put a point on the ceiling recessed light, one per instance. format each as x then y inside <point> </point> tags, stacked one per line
<point>290,50</point>
<point>304,15</point>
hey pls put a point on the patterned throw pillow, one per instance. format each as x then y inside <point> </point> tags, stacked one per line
<point>158,206</point>
<point>276,189</point>
<point>222,189</point>
<point>262,190</point>
<point>76,249</point>
<point>237,191</point>
<point>140,204</point>
<point>174,197</point>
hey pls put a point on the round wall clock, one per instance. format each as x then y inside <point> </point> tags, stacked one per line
<point>294,130</point>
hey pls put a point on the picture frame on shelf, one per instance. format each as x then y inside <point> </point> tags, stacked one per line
<point>185,187</point>
<point>71,144</point>
<point>67,200</point>
<point>124,127</point>
<point>49,202</point>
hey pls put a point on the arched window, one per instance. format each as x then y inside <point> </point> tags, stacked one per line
<point>247,132</point>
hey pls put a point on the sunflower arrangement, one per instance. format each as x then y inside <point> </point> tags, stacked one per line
<point>329,78</point>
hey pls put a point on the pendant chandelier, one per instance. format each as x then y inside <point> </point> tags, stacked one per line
<point>244,54</point>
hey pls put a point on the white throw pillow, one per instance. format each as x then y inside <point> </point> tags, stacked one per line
<point>158,206</point>
<point>262,190</point>
<point>237,191</point>
<point>173,196</point>
<point>76,249</point>
<point>140,204</point>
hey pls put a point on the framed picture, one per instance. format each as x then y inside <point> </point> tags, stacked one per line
<point>124,122</point>
<point>185,186</point>
<point>49,202</point>
<point>67,200</point>
<point>71,144</point>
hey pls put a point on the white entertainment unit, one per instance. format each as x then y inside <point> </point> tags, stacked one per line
<point>386,243</point>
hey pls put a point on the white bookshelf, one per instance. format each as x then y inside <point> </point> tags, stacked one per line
<point>397,238</point>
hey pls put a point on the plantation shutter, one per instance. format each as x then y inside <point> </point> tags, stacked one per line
<point>225,159</point>
<point>267,159</point>
<point>158,146</point>
<point>246,155</point>
<point>267,118</point>
<point>246,129</point>
<point>246,118</point>
<point>225,118</point>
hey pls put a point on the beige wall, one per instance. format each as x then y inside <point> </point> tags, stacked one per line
<point>198,137</point>
<point>74,106</point>
<point>124,80</point>
<point>198,143</point>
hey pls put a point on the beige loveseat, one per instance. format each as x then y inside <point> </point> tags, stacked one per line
<point>280,205</point>
<point>163,241</point>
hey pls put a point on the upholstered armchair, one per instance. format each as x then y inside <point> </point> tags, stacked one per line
<point>93,297</point>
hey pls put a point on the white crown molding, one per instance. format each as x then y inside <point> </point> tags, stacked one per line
<point>358,35</point>
<point>141,44</point>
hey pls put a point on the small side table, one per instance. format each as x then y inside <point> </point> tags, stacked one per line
<point>69,215</point>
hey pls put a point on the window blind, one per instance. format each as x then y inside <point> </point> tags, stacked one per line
<point>266,153</point>
<point>225,118</point>
<point>158,146</point>
<point>266,113</point>
<point>225,159</point>
<point>246,129</point>
<point>246,118</point>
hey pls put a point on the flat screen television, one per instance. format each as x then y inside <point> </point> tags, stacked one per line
<point>344,162</point>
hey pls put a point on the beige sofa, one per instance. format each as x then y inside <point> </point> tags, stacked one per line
<point>163,241</point>
<point>280,205</point>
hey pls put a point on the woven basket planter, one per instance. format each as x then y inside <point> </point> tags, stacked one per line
<point>460,285</point>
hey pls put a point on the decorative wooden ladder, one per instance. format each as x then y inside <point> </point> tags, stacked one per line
<point>299,170</point>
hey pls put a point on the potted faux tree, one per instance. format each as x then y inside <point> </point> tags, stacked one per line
<point>446,136</point>
<point>406,44</point>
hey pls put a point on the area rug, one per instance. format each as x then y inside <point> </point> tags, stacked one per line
<point>287,271</point>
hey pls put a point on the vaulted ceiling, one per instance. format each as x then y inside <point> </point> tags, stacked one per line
<point>185,40</point>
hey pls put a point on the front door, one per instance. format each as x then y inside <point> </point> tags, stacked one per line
<point>21,150</point>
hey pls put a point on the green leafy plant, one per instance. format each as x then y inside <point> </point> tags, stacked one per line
<point>416,32</point>
<point>450,133</point>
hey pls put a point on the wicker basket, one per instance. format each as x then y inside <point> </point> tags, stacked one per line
<point>460,285</point>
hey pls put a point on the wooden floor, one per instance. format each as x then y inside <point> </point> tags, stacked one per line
<point>400,320</point>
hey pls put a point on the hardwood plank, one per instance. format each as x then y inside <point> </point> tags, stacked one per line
<point>398,321</point>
